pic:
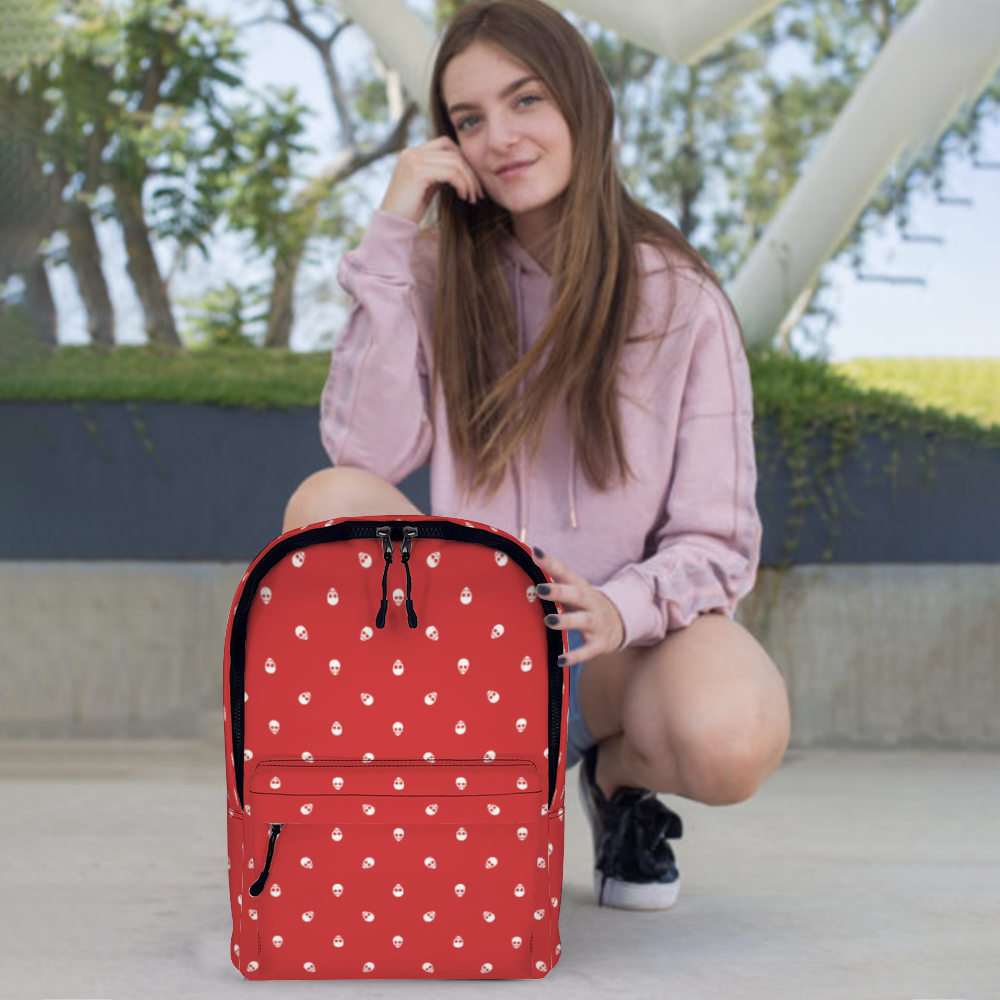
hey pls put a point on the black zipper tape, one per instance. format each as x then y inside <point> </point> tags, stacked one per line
<point>446,530</point>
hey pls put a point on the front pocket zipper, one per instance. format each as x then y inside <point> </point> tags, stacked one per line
<point>258,887</point>
<point>446,530</point>
<point>398,869</point>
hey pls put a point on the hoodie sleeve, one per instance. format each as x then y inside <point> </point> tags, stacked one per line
<point>707,547</point>
<point>374,410</point>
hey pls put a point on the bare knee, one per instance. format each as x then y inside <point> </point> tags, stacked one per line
<point>341,491</point>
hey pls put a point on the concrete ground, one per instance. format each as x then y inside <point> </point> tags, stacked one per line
<point>849,874</point>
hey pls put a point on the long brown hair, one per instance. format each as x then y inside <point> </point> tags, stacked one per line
<point>595,271</point>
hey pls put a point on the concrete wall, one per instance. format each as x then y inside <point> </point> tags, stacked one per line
<point>874,655</point>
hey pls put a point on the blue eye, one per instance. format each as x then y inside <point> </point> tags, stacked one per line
<point>524,97</point>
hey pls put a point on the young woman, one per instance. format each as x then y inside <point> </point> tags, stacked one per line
<point>575,373</point>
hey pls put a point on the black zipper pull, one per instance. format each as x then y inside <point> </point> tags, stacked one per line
<point>409,533</point>
<point>258,887</point>
<point>385,534</point>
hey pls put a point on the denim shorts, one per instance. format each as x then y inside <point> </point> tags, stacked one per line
<point>578,738</point>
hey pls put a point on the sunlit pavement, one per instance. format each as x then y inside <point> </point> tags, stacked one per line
<point>849,874</point>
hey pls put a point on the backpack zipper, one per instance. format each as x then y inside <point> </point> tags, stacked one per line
<point>446,530</point>
<point>258,887</point>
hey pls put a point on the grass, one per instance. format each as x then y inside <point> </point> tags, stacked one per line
<point>957,394</point>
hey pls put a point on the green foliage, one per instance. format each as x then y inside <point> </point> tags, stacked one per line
<point>223,317</point>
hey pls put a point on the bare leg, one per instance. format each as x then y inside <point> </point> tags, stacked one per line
<point>341,492</point>
<point>703,714</point>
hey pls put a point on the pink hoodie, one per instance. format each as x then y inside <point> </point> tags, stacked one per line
<point>681,540</point>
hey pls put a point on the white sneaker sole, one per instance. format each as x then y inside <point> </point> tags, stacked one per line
<point>637,895</point>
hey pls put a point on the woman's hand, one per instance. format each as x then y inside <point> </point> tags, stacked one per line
<point>591,612</point>
<point>422,170</point>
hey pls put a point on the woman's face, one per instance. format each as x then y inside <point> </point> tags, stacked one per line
<point>500,126</point>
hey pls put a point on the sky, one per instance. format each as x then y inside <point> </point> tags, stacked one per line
<point>955,313</point>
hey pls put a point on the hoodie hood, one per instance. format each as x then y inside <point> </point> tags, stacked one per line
<point>527,274</point>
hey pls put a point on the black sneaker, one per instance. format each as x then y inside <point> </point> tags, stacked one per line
<point>634,866</point>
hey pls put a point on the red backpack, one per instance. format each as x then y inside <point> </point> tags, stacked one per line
<point>394,774</point>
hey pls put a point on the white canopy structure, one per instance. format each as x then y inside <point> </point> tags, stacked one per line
<point>936,64</point>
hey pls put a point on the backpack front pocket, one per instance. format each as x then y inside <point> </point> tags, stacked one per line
<point>396,869</point>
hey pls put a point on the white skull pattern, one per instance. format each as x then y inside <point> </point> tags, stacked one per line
<point>270,666</point>
<point>531,594</point>
<point>433,559</point>
<point>332,597</point>
<point>304,698</point>
<point>365,559</point>
<point>492,697</point>
<point>338,890</point>
<point>397,728</point>
<point>432,633</point>
<point>368,863</point>
<point>460,890</point>
<point>461,833</point>
<point>522,783</point>
<point>366,633</point>
<point>366,698</point>
<point>497,631</point>
<point>516,941</point>
<point>430,863</point>
<point>397,890</point>
<point>397,668</point>
<point>368,967</point>
<point>397,941</point>
<point>276,782</point>
<point>397,596</point>
<point>522,832</point>
<point>491,862</point>
<point>265,594</point>
<point>519,890</point>
<point>493,810</point>
<point>338,782</point>
<point>336,729</point>
<point>368,809</point>
<point>458,942</point>
<point>460,727</point>
<point>306,862</point>
<point>521,724</point>
<point>338,942</point>
<point>398,834</point>
<point>463,665</point>
<point>337,834</point>
<point>430,697</point>
<point>309,967</point>
<point>526,664</point>
<point>461,782</point>
<point>274,726</point>
<point>335,667</point>
<point>466,596</point>
<point>298,559</point>
<point>399,784</point>
<point>501,557</point>
<point>278,940</point>
<point>300,631</point>
<point>488,917</point>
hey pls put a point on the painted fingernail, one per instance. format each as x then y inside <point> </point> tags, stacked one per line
<point>544,589</point>
<point>539,554</point>
<point>561,661</point>
<point>551,619</point>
